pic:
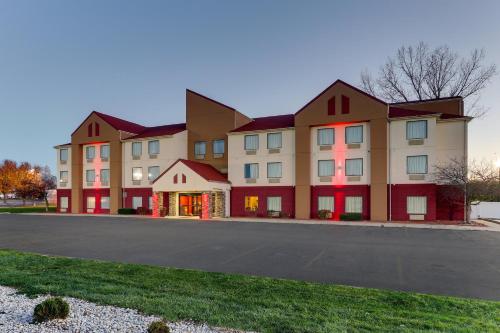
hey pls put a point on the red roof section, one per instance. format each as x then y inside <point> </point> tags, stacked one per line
<point>272,122</point>
<point>120,124</point>
<point>395,112</point>
<point>160,130</point>
<point>206,171</point>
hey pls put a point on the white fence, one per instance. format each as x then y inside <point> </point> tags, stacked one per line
<point>486,210</point>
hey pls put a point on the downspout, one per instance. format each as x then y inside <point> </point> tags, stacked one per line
<point>389,169</point>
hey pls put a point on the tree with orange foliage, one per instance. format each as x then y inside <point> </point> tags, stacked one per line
<point>8,178</point>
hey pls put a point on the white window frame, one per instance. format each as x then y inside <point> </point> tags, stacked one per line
<point>280,140</point>
<point>134,174</point>
<point>101,178</point>
<point>134,206</point>
<point>280,203</point>
<point>61,154</point>
<point>63,202</point>
<point>150,178</point>
<point>89,149</point>
<point>354,197</point>
<point>245,143</point>
<point>101,151</point>
<point>321,130</point>
<point>87,175</point>
<point>350,161</point>
<point>328,197</point>
<point>151,144</point>
<point>280,169</point>
<point>63,179</point>
<point>223,147</point>
<point>417,173</point>
<point>198,153</point>
<point>346,134</point>
<point>105,204</point>
<point>257,172</point>
<point>408,124</point>
<point>137,144</point>
<point>319,168</point>
<point>416,197</point>
<point>90,201</point>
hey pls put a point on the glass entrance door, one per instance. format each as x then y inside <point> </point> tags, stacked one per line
<point>190,204</point>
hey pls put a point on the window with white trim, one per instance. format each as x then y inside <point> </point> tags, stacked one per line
<point>63,154</point>
<point>218,147</point>
<point>104,176</point>
<point>90,152</point>
<point>90,176</point>
<point>353,204</point>
<point>150,202</point>
<point>274,170</point>
<point>251,142</point>
<point>136,149</point>
<point>416,164</point>
<point>354,134</point>
<point>200,149</point>
<point>416,129</point>
<point>63,202</point>
<point>354,167</point>
<point>153,172</point>
<point>104,152</point>
<point>137,173</point>
<point>154,147</point>
<point>274,140</point>
<point>63,176</point>
<point>251,170</point>
<point>90,202</point>
<point>136,202</point>
<point>326,168</point>
<point>326,203</point>
<point>416,205</point>
<point>274,204</point>
<point>326,136</point>
<point>104,202</point>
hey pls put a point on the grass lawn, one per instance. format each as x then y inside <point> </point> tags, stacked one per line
<point>27,209</point>
<point>245,302</point>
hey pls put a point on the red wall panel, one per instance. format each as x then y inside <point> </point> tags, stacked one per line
<point>63,193</point>
<point>450,203</point>
<point>400,192</point>
<point>145,193</point>
<point>97,193</point>
<point>339,192</point>
<point>238,194</point>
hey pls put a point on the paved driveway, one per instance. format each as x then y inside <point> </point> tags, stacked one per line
<point>449,262</point>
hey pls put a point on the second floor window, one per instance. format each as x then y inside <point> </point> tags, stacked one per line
<point>353,134</point>
<point>251,142</point>
<point>416,129</point>
<point>273,140</point>
<point>137,174</point>
<point>63,155</point>
<point>63,176</point>
<point>90,176</point>
<point>154,147</point>
<point>354,167</point>
<point>274,170</point>
<point>251,170</point>
<point>153,172</point>
<point>104,176</point>
<point>326,136</point>
<point>136,149</point>
<point>326,168</point>
<point>104,152</point>
<point>218,147</point>
<point>200,149</point>
<point>90,152</point>
<point>416,164</point>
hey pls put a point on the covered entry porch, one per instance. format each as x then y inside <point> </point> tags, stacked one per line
<point>191,189</point>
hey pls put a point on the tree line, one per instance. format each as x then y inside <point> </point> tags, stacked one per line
<point>26,181</point>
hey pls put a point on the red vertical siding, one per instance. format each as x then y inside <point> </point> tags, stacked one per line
<point>339,192</point>
<point>450,204</point>
<point>238,194</point>
<point>97,193</point>
<point>63,193</point>
<point>143,192</point>
<point>401,191</point>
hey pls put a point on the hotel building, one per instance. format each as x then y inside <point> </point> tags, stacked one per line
<point>345,151</point>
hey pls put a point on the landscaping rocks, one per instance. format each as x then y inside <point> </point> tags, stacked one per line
<point>16,316</point>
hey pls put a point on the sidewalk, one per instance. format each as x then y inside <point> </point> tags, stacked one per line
<point>484,225</point>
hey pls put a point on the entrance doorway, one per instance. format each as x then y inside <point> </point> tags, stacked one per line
<point>190,204</point>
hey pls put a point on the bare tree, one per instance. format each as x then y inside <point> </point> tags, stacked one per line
<point>473,182</point>
<point>418,73</point>
<point>45,182</point>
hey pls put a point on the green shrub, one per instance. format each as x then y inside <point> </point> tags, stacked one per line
<point>324,214</point>
<point>126,211</point>
<point>51,308</point>
<point>158,327</point>
<point>351,217</point>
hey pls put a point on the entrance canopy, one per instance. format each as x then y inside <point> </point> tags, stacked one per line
<point>189,176</point>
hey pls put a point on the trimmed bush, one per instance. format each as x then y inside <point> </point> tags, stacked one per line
<point>158,327</point>
<point>324,214</point>
<point>126,211</point>
<point>351,217</point>
<point>51,308</point>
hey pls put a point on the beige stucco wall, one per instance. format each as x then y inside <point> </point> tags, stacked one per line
<point>63,167</point>
<point>238,158</point>
<point>172,148</point>
<point>97,164</point>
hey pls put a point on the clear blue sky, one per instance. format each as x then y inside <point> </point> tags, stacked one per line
<point>59,60</point>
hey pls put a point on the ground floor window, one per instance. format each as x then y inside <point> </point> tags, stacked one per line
<point>274,204</point>
<point>251,203</point>
<point>136,202</point>
<point>90,202</point>
<point>416,205</point>
<point>63,203</point>
<point>326,203</point>
<point>150,202</point>
<point>353,204</point>
<point>104,202</point>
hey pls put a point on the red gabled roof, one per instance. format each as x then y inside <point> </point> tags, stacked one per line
<point>272,122</point>
<point>160,130</point>
<point>206,171</point>
<point>120,124</point>
<point>427,100</point>
<point>395,112</point>
<point>346,84</point>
